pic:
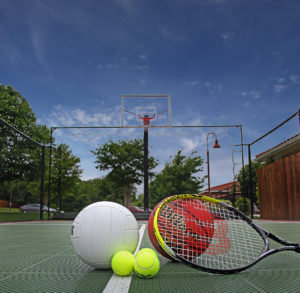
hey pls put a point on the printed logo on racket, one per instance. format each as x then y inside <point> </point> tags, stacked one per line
<point>220,230</point>
<point>177,220</point>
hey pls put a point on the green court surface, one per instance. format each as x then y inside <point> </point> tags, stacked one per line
<point>38,257</point>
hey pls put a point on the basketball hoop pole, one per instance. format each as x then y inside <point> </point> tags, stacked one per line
<point>146,123</point>
<point>146,194</point>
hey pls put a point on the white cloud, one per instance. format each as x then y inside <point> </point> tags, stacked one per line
<point>143,81</point>
<point>281,80</point>
<point>141,67</point>
<point>193,83</point>
<point>254,94</point>
<point>215,88</point>
<point>108,66</point>
<point>278,88</point>
<point>212,88</point>
<point>246,104</point>
<point>67,116</point>
<point>227,36</point>
<point>189,144</point>
<point>143,56</point>
<point>207,84</point>
<point>295,78</point>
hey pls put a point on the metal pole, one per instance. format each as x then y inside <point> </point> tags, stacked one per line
<point>42,183</point>
<point>21,133</point>
<point>233,172</point>
<point>233,167</point>
<point>275,128</point>
<point>207,152</point>
<point>208,176</point>
<point>146,169</point>
<point>243,168</point>
<point>49,179</point>
<point>10,196</point>
<point>250,181</point>
<point>59,178</point>
<point>170,116</point>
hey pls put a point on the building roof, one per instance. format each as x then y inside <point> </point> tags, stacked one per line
<point>222,187</point>
<point>223,190</point>
<point>282,150</point>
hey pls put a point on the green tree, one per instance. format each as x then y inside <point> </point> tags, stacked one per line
<point>124,161</point>
<point>75,203</point>
<point>139,202</point>
<point>243,204</point>
<point>88,188</point>
<point>227,201</point>
<point>94,190</point>
<point>65,175</point>
<point>245,188</point>
<point>178,176</point>
<point>20,159</point>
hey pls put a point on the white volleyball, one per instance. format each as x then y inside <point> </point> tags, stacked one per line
<point>102,229</point>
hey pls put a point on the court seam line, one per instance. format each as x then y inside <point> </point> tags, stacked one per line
<point>122,284</point>
<point>254,286</point>
<point>27,243</point>
<point>39,262</point>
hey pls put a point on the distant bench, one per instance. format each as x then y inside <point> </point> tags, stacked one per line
<point>65,215</point>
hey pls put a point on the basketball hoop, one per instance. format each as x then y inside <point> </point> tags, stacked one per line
<point>151,110</point>
<point>146,119</point>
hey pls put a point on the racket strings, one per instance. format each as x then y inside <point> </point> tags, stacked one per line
<point>208,234</point>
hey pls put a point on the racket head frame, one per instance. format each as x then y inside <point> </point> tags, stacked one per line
<point>262,232</point>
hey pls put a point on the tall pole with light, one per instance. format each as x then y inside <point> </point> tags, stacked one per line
<point>216,146</point>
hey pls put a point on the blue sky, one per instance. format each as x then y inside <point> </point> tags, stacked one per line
<point>224,62</point>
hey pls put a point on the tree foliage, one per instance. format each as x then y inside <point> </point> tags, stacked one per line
<point>243,204</point>
<point>65,175</point>
<point>178,176</point>
<point>124,161</point>
<point>244,182</point>
<point>139,201</point>
<point>19,157</point>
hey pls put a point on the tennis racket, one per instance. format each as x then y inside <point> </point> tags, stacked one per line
<point>210,235</point>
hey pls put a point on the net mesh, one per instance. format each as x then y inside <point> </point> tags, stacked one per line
<point>209,235</point>
<point>146,118</point>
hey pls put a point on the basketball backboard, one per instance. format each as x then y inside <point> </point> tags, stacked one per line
<point>149,110</point>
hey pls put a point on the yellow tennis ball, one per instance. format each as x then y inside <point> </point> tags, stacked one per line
<point>122,263</point>
<point>146,264</point>
<point>147,250</point>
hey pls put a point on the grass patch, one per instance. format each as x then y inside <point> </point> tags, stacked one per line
<point>14,217</point>
<point>6,210</point>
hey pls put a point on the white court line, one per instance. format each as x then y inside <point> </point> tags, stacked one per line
<point>122,284</point>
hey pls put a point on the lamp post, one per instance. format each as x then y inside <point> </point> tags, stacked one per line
<point>216,146</point>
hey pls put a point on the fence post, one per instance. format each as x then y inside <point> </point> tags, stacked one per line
<point>250,182</point>
<point>42,183</point>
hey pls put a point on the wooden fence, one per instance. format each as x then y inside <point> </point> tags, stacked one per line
<point>4,204</point>
<point>279,189</point>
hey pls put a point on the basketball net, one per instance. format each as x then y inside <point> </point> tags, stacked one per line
<point>146,119</point>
